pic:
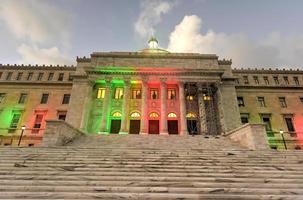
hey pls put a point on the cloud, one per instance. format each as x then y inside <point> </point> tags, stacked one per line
<point>37,26</point>
<point>273,50</point>
<point>151,15</point>
<point>36,55</point>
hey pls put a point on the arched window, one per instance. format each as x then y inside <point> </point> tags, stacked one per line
<point>135,114</point>
<point>153,115</point>
<point>191,115</point>
<point>116,114</point>
<point>171,115</point>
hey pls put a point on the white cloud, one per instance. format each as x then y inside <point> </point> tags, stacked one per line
<point>36,55</point>
<point>151,15</point>
<point>274,50</point>
<point>41,29</point>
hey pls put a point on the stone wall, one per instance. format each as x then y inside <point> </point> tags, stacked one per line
<point>252,136</point>
<point>60,133</point>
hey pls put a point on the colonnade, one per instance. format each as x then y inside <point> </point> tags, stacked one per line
<point>144,107</point>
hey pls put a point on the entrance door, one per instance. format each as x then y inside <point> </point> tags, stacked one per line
<point>153,126</point>
<point>134,127</point>
<point>192,127</point>
<point>115,126</point>
<point>172,126</point>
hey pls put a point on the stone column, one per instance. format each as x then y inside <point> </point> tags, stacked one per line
<point>144,103</point>
<point>105,107</point>
<point>80,103</point>
<point>125,108</point>
<point>202,111</point>
<point>183,123</point>
<point>163,117</point>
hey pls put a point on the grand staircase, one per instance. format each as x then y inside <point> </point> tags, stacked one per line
<point>150,167</point>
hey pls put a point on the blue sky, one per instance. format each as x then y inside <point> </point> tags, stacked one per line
<point>262,33</point>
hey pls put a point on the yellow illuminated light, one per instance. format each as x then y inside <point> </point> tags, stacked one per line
<point>171,115</point>
<point>153,115</point>
<point>191,115</point>
<point>190,97</point>
<point>116,114</point>
<point>135,114</point>
<point>101,93</point>
<point>118,93</point>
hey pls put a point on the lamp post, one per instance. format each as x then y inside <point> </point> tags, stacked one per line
<point>22,131</point>
<point>282,135</point>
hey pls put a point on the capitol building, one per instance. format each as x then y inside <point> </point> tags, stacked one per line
<point>151,91</point>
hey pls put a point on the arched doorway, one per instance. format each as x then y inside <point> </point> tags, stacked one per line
<point>153,123</point>
<point>172,123</point>
<point>134,123</point>
<point>115,124</point>
<point>192,123</point>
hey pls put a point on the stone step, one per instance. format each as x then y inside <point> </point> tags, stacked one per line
<point>146,196</point>
<point>136,189</point>
<point>69,170</point>
<point>158,178</point>
<point>189,184</point>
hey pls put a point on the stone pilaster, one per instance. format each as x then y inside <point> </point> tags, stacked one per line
<point>125,108</point>
<point>163,117</point>
<point>183,123</point>
<point>79,105</point>
<point>228,106</point>
<point>144,118</point>
<point>202,111</point>
<point>105,107</point>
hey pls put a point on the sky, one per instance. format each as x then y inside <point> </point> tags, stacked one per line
<point>258,33</point>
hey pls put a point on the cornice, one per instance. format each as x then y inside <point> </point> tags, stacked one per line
<point>267,71</point>
<point>38,67</point>
<point>153,55</point>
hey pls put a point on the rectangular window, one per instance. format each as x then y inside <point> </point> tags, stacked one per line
<point>50,76</point>
<point>62,115</point>
<point>261,101</point>
<point>276,79</point>
<point>136,93</point>
<point>61,76</point>
<point>30,76</point>
<point>289,124</point>
<point>266,80</point>
<point>1,74</point>
<point>9,76</point>
<point>282,102</point>
<point>38,121</point>
<point>256,79</point>
<point>101,93</point>
<point>40,76</point>
<point>266,121</point>
<point>2,97</point>
<point>44,98</point>
<point>237,81</point>
<point>286,80</point>
<point>244,118</point>
<point>66,98</point>
<point>70,78</point>
<point>189,97</point>
<point>296,80</point>
<point>240,101</point>
<point>118,93</point>
<point>19,76</point>
<point>15,120</point>
<point>301,99</point>
<point>245,78</point>
<point>154,94</point>
<point>171,94</point>
<point>22,98</point>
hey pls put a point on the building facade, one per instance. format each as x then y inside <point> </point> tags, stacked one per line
<point>151,92</point>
